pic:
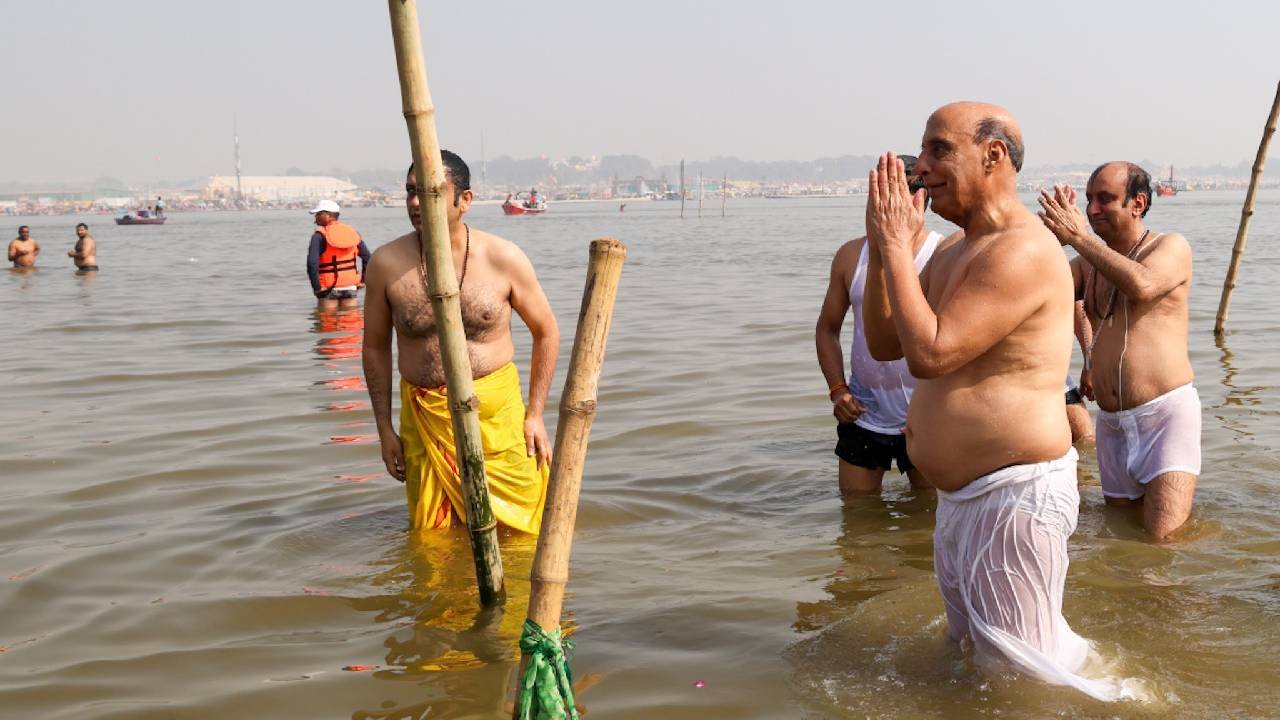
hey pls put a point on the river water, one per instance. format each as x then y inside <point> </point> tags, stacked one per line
<point>198,525</point>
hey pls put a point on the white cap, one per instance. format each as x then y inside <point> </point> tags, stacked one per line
<point>325,206</point>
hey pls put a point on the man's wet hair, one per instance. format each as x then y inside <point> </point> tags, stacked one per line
<point>23,227</point>
<point>1137,182</point>
<point>455,171</point>
<point>994,129</point>
<point>81,225</point>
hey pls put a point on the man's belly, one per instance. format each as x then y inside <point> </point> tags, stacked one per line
<point>956,435</point>
<point>420,362</point>
<point>1154,364</point>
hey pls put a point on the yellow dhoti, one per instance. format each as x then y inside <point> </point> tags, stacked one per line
<point>433,486</point>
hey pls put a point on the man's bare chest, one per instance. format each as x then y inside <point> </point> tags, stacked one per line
<point>485,308</point>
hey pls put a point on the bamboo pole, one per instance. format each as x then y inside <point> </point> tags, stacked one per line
<point>577,411</point>
<point>724,193</point>
<point>682,189</point>
<point>442,287</point>
<point>1246,213</point>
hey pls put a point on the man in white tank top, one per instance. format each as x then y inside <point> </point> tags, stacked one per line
<point>870,404</point>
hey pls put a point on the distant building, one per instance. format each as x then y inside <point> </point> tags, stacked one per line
<point>277,188</point>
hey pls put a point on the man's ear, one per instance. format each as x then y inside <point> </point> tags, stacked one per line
<point>996,151</point>
<point>1141,202</point>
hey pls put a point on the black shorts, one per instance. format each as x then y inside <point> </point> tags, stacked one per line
<point>872,450</point>
<point>1074,397</point>
<point>87,268</point>
<point>339,294</point>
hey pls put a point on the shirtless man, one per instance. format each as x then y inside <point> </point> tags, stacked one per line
<point>986,329</point>
<point>85,253</point>
<point>23,250</point>
<point>1134,284</point>
<point>871,404</point>
<point>494,278</point>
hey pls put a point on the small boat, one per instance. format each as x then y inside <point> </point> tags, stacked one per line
<point>1168,188</point>
<point>524,204</point>
<point>140,217</point>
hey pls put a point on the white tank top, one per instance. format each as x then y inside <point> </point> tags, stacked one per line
<point>883,388</point>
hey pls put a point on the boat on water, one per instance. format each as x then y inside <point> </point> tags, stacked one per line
<point>140,217</point>
<point>1170,187</point>
<point>530,203</point>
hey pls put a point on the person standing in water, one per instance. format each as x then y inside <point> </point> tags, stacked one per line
<point>495,278</point>
<point>23,250</point>
<point>85,252</point>
<point>870,405</point>
<point>1135,285</point>
<point>986,329</point>
<point>331,259</point>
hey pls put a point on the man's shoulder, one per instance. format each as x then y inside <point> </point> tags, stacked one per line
<point>403,249</point>
<point>849,251</point>
<point>501,252</point>
<point>1174,240</point>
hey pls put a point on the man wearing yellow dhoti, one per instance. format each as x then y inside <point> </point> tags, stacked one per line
<point>495,277</point>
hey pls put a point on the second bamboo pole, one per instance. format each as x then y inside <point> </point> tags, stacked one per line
<point>1246,213</point>
<point>550,571</point>
<point>442,287</point>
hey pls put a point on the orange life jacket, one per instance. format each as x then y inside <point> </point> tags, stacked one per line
<point>338,266</point>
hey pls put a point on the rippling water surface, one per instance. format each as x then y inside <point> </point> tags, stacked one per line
<point>197,523</point>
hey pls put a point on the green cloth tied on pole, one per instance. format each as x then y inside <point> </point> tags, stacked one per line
<point>546,690</point>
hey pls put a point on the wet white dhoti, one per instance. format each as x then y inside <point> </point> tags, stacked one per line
<point>1138,445</point>
<point>1000,553</point>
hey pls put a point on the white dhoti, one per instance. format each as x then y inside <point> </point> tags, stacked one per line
<point>1000,553</point>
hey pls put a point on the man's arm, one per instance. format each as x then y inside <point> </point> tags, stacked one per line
<point>877,313</point>
<point>835,306</point>
<point>12,243</point>
<point>313,260</point>
<point>1001,290</point>
<point>1165,267</point>
<point>376,358</point>
<point>364,259</point>
<point>530,302</point>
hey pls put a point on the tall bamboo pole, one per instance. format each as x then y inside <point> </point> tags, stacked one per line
<point>577,411</point>
<point>1246,213</point>
<point>724,193</point>
<point>682,189</point>
<point>442,286</point>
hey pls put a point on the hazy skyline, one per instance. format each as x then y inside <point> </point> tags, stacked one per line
<point>145,90</point>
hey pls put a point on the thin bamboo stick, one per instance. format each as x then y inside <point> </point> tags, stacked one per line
<point>577,411</point>
<point>701,188</point>
<point>682,189</point>
<point>1246,213</point>
<point>437,254</point>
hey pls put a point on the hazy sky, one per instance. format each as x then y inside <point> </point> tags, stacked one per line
<point>143,89</point>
